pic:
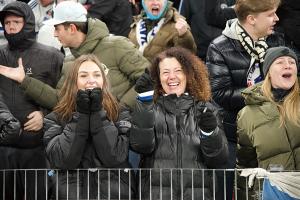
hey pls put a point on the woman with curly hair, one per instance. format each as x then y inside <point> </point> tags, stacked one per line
<point>178,131</point>
<point>88,129</point>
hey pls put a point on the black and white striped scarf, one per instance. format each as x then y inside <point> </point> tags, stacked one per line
<point>257,52</point>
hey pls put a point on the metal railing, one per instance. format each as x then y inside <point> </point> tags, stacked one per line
<point>120,184</point>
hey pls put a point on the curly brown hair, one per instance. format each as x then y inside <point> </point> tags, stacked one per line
<point>195,70</point>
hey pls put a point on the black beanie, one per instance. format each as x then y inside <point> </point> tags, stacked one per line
<point>275,52</point>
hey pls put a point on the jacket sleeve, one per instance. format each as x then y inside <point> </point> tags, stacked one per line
<point>142,136</point>
<point>131,62</point>
<point>246,153</point>
<point>224,92</point>
<point>215,146</point>
<point>65,144</point>
<point>42,93</point>
<point>111,147</point>
<point>10,127</point>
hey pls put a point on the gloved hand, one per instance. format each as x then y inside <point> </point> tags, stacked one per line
<point>207,121</point>
<point>96,99</point>
<point>143,115</point>
<point>83,101</point>
<point>144,83</point>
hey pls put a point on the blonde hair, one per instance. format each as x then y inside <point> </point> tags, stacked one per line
<point>290,107</point>
<point>67,103</point>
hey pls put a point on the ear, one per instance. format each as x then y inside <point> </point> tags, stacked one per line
<point>73,28</point>
<point>251,19</point>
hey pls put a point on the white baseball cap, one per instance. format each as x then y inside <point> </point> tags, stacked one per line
<point>68,11</point>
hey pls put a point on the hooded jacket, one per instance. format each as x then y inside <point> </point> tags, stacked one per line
<point>228,62</point>
<point>39,61</point>
<point>124,62</point>
<point>166,37</point>
<point>262,141</point>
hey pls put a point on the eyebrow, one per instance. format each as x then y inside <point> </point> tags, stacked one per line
<point>88,72</point>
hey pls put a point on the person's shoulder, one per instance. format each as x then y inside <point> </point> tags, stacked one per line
<point>48,50</point>
<point>118,41</point>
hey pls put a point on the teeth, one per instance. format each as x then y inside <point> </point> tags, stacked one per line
<point>173,84</point>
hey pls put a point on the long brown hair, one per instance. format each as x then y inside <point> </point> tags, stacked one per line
<point>290,107</point>
<point>67,103</point>
<point>195,70</point>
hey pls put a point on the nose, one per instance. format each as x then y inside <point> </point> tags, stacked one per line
<point>276,18</point>
<point>172,75</point>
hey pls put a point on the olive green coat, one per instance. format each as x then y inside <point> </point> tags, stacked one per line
<point>262,141</point>
<point>124,61</point>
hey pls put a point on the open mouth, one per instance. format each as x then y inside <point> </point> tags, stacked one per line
<point>287,75</point>
<point>173,84</point>
<point>155,10</point>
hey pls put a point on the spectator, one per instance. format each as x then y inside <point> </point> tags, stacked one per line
<point>217,13</point>
<point>2,38</point>
<point>42,10</point>
<point>116,14</point>
<point>159,27</point>
<point>88,130</point>
<point>269,124</point>
<point>203,33</point>
<point>26,151</point>
<point>289,24</point>
<point>124,62</point>
<point>180,130</point>
<point>234,61</point>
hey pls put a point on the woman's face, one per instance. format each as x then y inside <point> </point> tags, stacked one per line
<point>283,72</point>
<point>172,77</point>
<point>154,6</point>
<point>89,76</point>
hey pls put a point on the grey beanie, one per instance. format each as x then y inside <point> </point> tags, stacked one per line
<point>275,52</point>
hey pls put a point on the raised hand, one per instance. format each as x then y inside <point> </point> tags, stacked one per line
<point>16,74</point>
<point>83,101</point>
<point>96,99</point>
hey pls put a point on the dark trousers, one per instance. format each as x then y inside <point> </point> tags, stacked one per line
<point>21,183</point>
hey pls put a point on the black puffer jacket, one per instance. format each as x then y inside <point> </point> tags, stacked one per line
<point>39,61</point>
<point>89,141</point>
<point>228,62</point>
<point>174,142</point>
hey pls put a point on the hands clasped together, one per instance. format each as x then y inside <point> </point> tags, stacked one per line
<point>89,101</point>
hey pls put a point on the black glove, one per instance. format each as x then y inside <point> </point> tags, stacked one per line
<point>143,115</point>
<point>83,101</point>
<point>96,99</point>
<point>144,83</point>
<point>207,121</point>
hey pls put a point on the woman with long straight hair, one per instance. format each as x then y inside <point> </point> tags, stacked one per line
<point>269,124</point>
<point>88,129</point>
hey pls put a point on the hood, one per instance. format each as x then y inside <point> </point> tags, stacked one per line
<point>230,30</point>
<point>97,30</point>
<point>26,37</point>
<point>253,95</point>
